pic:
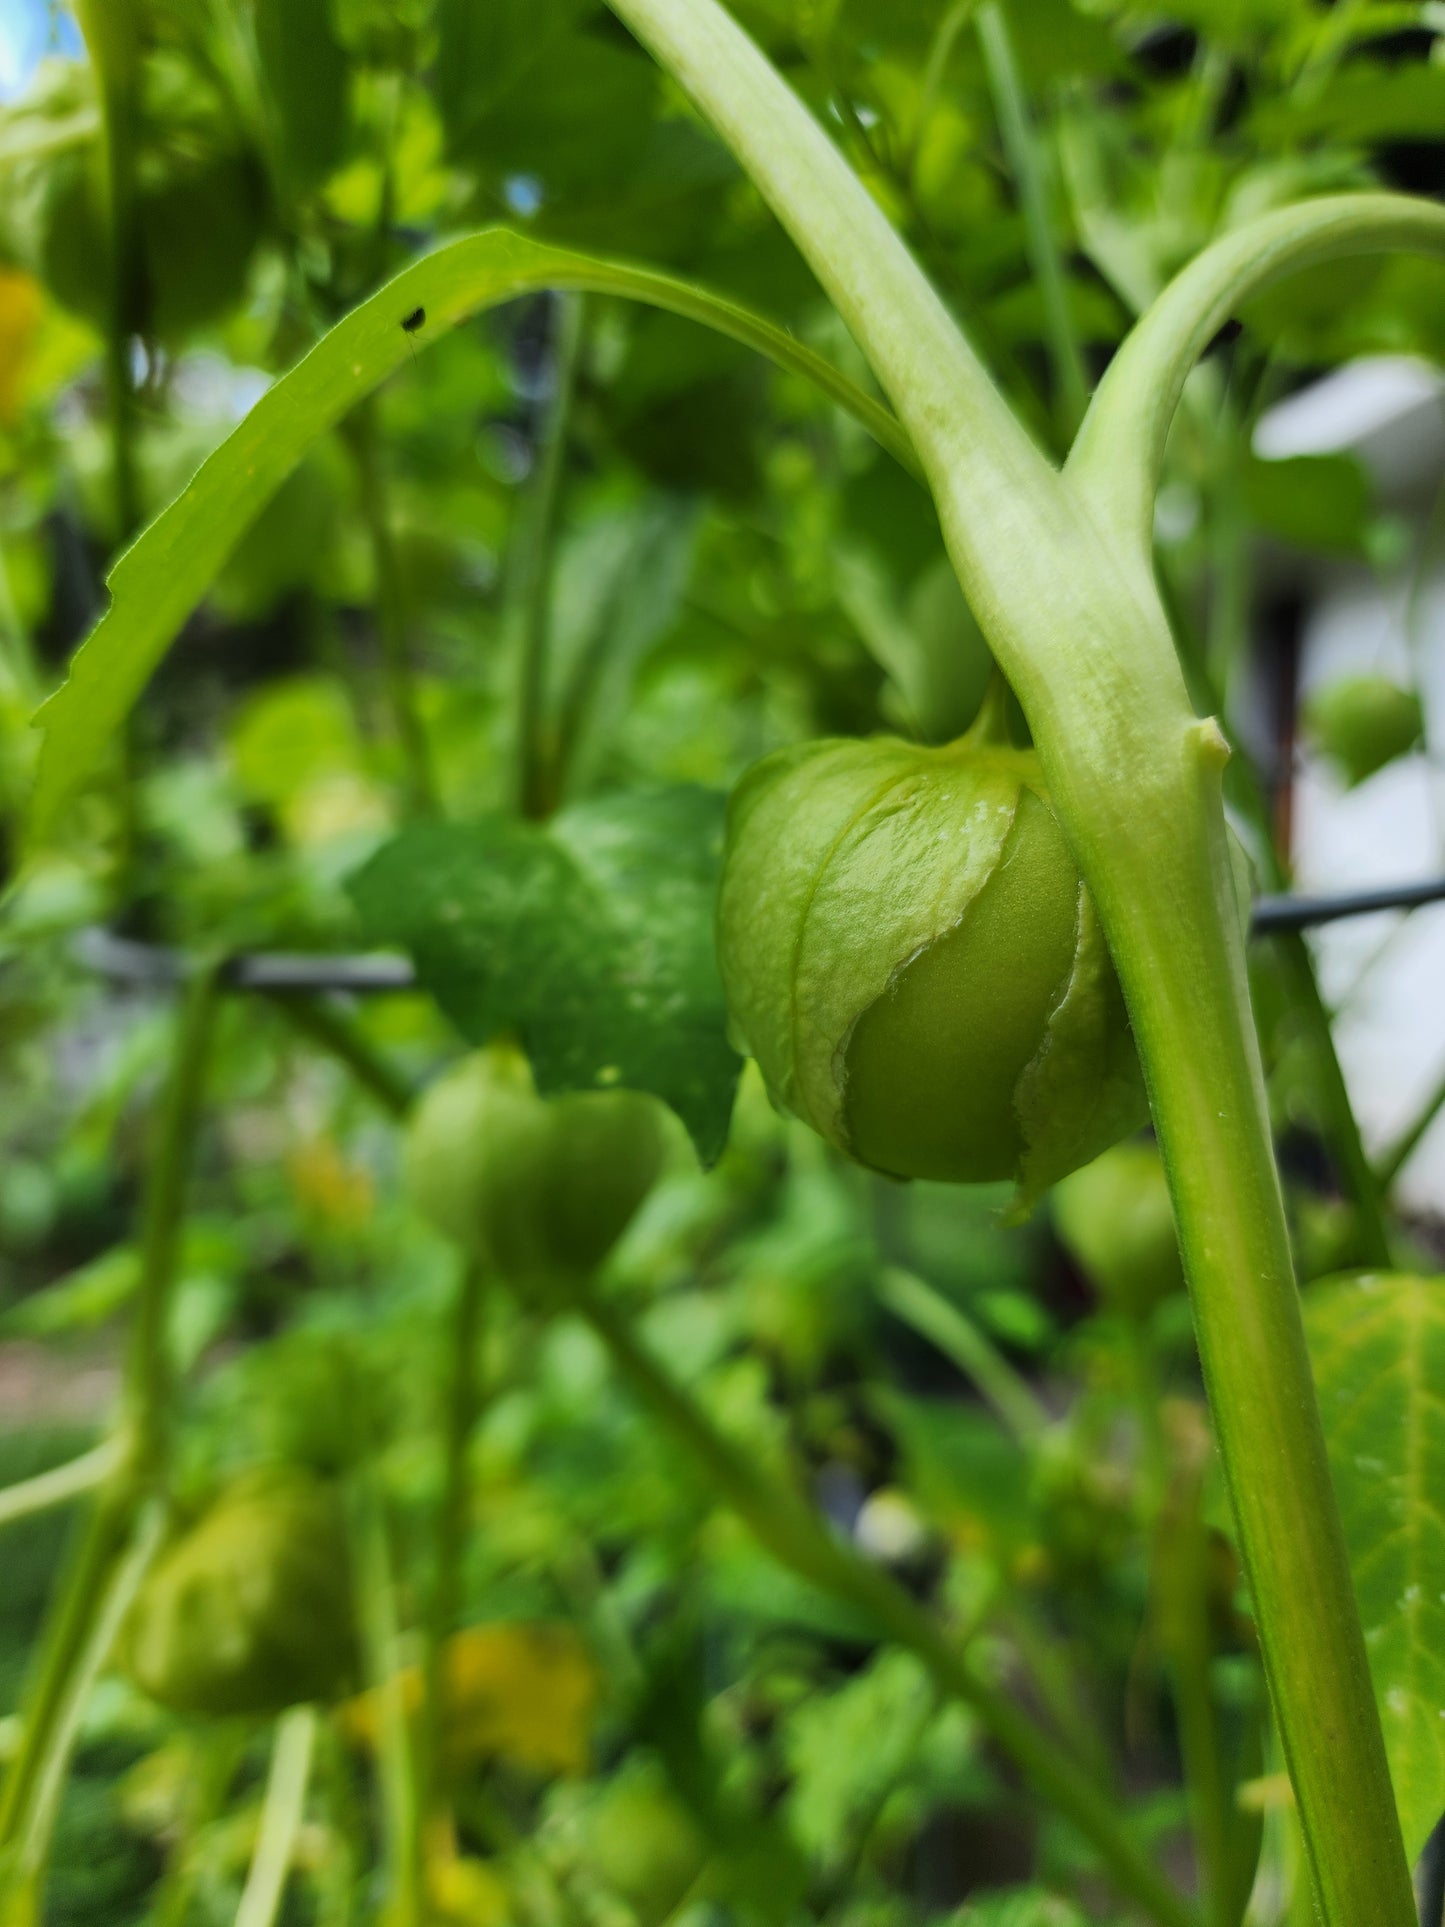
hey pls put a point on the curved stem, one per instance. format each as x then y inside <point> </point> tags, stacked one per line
<point>1058,571</point>
<point>797,1538</point>
<point>1119,453</point>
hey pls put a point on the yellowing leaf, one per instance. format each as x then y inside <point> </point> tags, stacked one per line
<point>20,305</point>
<point>524,1692</point>
<point>466,1893</point>
<point>330,1188</point>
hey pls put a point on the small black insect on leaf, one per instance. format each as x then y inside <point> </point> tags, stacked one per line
<point>415,320</point>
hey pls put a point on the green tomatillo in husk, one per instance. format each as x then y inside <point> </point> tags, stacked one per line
<point>1361,723</point>
<point>539,1187</point>
<point>250,1610</point>
<point>909,952</point>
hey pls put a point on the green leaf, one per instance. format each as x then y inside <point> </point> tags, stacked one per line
<point>1310,501</point>
<point>161,578</point>
<point>1366,101</point>
<point>483,53</point>
<point>304,68</point>
<point>1378,1346</point>
<point>591,938</point>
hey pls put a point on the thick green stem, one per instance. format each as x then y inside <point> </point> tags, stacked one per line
<point>1021,145</point>
<point>391,617</point>
<point>532,582</point>
<point>1059,573</point>
<point>1180,954</point>
<point>1181,1621</point>
<point>796,1537</point>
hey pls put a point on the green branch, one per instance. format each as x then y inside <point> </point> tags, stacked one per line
<point>1119,454</point>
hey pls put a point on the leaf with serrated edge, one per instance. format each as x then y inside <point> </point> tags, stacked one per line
<point>590,938</point>
<point>1378,1346</point>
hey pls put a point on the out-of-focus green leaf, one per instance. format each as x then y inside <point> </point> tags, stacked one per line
<point>1377,1342</point>
<point>305,70</point>
<point>161,578</point>
<point>587,110</point>
<point>484,52</point>
<point>1364,102</point>
<point>1310,501</point>
<point>592,939</point>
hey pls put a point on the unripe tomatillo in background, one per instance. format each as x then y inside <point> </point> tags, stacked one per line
<point>249,1611</point>
<point>909,952</point>
<point>540,1187</point>
<point>1115,1220</point>
<point>1363,722</point>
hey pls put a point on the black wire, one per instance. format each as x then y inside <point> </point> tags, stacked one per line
<point>280,974</point>
<point>1302,913</point>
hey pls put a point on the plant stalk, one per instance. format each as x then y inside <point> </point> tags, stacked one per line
<point>1058,570</point>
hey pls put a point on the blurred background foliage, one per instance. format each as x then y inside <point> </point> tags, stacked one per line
<point>644,1718</point>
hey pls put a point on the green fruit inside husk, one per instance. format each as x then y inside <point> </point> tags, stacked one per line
<point>250,1611</point>
<point>538,1186</point>
<point>1364,722</point>
<point>910,954</point>
<point>933,1065</point>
